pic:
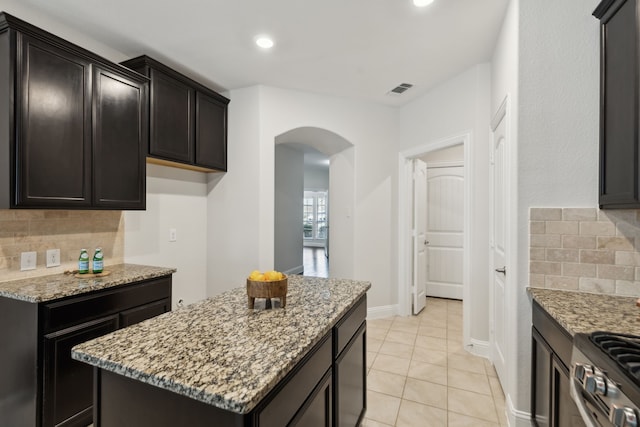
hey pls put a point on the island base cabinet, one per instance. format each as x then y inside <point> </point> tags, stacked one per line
<point>350,371</point>
<point>317,410</point>
<point>326,388</point>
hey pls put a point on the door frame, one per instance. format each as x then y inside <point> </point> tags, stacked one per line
<point>405,225</point>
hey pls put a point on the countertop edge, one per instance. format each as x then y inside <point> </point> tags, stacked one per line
<point>574,310</point>
<point>101,283</point>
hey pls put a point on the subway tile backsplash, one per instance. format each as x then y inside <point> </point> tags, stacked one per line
<point>585,249</point>
<point>39,230</point>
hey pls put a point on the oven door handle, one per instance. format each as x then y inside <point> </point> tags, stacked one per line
<point>576,395</point>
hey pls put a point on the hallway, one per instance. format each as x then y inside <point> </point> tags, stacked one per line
<point>419,374</point>
<point>315,264</point>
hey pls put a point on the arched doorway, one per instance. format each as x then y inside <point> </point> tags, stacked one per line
<point>289,194</point>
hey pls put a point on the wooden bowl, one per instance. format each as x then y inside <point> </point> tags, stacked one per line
<point>268,290</point>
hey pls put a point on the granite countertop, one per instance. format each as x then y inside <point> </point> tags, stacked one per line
<point>218,351</point>
<point>56,286</point>
<point>583,312</point>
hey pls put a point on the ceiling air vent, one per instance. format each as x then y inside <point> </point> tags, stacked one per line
<point>400,89</point>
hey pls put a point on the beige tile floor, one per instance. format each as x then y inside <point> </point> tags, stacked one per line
<point>420,375</point>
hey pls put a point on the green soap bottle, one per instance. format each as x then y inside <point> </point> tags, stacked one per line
<point>98,261</point>
<point>83,262</point>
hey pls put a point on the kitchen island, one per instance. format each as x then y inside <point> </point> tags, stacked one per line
<point>216,362</point>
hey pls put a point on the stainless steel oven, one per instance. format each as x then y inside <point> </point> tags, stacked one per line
<point>605,378</point>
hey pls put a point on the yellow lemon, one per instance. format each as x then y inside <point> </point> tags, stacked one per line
<point>254,275</point>
<point>271,275</point>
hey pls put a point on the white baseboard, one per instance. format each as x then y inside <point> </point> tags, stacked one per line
<point>479,348</point>
<point>295,270</point>
<point>382,311</point>
<point>515,417</point>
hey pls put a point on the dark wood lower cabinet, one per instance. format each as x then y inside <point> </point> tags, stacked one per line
<point>66,381</point>
<point>40,384</point>
<point>541,380</point>
<point>551,403</point>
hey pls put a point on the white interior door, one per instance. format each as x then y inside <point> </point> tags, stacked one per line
<point>419,235</point>
<point>499,245</point>
<point>445,231</point>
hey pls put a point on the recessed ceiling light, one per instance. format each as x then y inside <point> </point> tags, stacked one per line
<point>422,3</point>
<point>264,42</point>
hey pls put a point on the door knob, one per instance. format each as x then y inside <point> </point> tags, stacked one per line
<point>502,270</point>
<point>426,242</point>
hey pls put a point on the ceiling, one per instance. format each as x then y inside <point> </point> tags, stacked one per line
<point>359,49</point>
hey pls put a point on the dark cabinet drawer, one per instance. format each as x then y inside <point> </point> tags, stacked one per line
<point>297,387</point>
<point>144,312</point>
<point>349,325</point>
<point>75,310</point>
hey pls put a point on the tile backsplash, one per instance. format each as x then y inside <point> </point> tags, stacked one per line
<point>585,249</point>
<point>39,230</point>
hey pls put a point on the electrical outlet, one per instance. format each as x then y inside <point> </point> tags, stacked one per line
<point>28,260</point>
<point>173,235</point>
<point>53,257</point>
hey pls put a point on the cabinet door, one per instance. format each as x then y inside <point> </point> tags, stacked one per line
<point>119,139</point>
<point>540,380</point>
<point>172,105</point>
<point>619,110</point>
<point>67,397</point>
<point>316,411</point>
<point>350,370</point>
<point>565,411</point>
<point>53,118</point>
<point>144,312</point>
<point>211,132</point>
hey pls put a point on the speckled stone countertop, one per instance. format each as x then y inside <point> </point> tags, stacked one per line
<point>218,351</point>
<point>582,312</point>
<point>56,286</point>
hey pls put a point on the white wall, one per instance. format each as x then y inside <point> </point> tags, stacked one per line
<point>289,190</point>
<point>547,60</point>
<point>316,177</point>
<point>458,106</point>
<point>558,119</point>
<point>257,115</point>
<point>175,198</point>
<point>234,203</point>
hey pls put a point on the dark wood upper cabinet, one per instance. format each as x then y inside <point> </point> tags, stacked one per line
<point>188,126</point>
<point>171,126</point>
<point>73,126</point>
<point>211,123</point>
<point>619,90</point>
<point>53,146</point>
<point>119,126</point>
